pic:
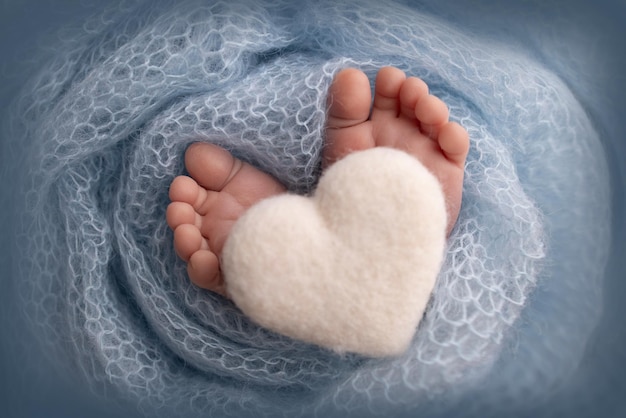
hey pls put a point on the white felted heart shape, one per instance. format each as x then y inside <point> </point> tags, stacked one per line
<point>350,268</point>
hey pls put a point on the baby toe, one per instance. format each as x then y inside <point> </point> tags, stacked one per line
<point>184,189</point>
<point>388,84</point>
<point>432,113</point>
<point>188,240</point>
<point>203,271</point>
<point>411,91</point>
<point>453,140</point>
<point>179,213</point>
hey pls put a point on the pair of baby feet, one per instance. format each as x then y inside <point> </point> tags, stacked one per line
<point>403,115</point>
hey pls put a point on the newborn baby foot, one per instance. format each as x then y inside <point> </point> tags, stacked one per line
<point>221,188</point>
<point>403,116</point>
<point>206,205</point>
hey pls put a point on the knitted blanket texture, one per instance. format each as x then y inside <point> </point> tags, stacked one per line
<point>101,132</point>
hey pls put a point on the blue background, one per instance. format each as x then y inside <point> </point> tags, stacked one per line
<point>595,33</point>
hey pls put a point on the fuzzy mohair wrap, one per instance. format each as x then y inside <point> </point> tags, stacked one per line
<point>100,133</point>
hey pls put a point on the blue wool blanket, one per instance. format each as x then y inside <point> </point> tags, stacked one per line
<point>100,133</point>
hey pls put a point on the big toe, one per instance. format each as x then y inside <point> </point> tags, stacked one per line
<point>210,165</point>
<point>349,99</point>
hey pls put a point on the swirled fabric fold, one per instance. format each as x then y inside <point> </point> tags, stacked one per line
<point>102,131</point>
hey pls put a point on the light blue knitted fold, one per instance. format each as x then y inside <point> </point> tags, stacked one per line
<point>100,133</point>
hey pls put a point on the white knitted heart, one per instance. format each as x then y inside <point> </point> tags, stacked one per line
<point>350,268</point>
